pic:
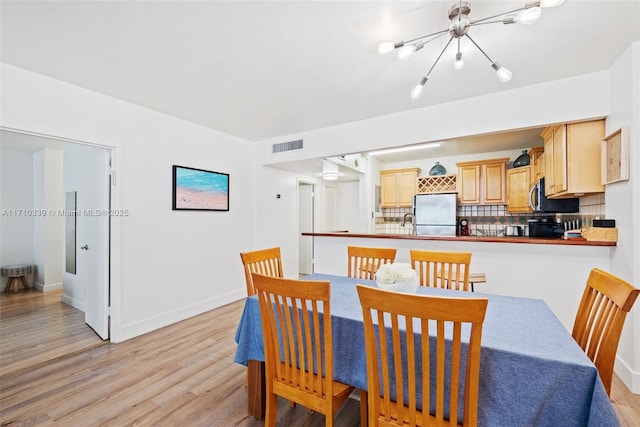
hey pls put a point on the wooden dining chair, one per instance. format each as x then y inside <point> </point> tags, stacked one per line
<point>396,354</point>
<point>603,308</point>
<point>298,346</point>
<point>264,261</point>
<point>449,270</point>
<point>365,261</point>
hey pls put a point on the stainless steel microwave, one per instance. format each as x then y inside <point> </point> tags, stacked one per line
<point>540,203</point>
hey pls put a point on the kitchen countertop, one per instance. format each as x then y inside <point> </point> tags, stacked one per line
<point>524,240</point>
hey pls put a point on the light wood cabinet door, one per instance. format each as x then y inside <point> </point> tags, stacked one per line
<point>482,182</point>
<point>494,180</point>
<point>407,187</point>
<point>388,189</point>
<point>518,186</point>
<point>584,153</point>
<point>547,135</point>
<point>572,159</point>
<point>559,160</point>
<point>397,187</point>
<point>537,164</point>
<point>469,184</point>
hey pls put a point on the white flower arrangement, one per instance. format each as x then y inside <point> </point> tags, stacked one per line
<point>397,272</point>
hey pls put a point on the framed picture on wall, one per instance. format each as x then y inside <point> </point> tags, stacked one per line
<point>615,157</point>
<point>199,189</point>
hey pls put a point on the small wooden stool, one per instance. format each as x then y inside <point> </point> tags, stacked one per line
<point>16,274</point>
<point>477,278</point>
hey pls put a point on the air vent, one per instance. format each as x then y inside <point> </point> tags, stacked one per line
<point>287,146</point>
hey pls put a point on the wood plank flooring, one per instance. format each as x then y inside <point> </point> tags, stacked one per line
<point>179,375</point>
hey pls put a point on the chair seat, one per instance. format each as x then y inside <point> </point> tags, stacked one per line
<point>431,420</point>
<point>339,389</point>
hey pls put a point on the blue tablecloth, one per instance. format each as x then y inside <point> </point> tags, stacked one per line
<point>532,372</point>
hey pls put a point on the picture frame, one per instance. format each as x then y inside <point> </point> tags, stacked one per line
<point>615,157</point>
<point>199,189</point>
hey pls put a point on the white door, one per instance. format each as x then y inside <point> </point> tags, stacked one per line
<point>305,224</point>
<point>350,206</point>
<point>331,204</point>
<point>92,238</point>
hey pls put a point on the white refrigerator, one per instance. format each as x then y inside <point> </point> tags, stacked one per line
<point>435,214</point>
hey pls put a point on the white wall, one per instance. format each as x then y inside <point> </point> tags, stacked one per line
<point>16,192</point>
<point>577,98</point>
<point>166,265</point>
<point>48,232</point>
<point>623,204</point>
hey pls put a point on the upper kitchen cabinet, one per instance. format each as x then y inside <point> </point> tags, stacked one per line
<point>537,164</point>
<point>482,182</point>
<point>518,186</point>
<point>572,159</point>
<point>397,187</point>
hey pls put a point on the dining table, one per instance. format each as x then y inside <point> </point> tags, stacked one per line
<point>532,372</point>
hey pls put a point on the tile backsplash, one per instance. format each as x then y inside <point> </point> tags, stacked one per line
<point>490,220</point>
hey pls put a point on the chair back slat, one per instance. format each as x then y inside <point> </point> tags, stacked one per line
<point>402,356</point>
<point>601,314</point>
<point>363,262</point>
<point>438,269</point>
<point>267,262</point>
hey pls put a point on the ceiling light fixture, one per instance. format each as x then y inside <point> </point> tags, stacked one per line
<point>330,171</point>
<point>405,148</point>
<point>459,28</point>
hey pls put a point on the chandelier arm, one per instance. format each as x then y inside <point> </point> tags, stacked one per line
<point>480,49</point>
<point>437,33</point>
<point>438,58</point>
<point>501,21</point>
<point>527,6</point>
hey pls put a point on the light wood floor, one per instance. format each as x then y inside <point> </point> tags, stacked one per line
<point>179,375</point>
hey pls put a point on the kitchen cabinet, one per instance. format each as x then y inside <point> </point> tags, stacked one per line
<point>482,182</point>
<point>572,159</point>
<point>537,164</point>
<point>518,186</point>
<point>397,187</point>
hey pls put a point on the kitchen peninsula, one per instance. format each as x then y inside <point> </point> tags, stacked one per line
<point>554,270</point>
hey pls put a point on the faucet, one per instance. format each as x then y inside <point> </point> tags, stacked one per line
<point>404,218</point>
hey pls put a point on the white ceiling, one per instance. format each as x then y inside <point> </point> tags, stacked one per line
<point>262,69</point>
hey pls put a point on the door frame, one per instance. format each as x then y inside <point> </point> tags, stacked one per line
<point>313,218</point>
<point>114,227</point>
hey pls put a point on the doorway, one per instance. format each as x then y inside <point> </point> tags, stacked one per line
<point>306,222</point>
<point>73,167</point>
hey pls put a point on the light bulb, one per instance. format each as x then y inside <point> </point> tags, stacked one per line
<point>386,47</point>
<point>417,90</point>
<point>503,74</point>
<point>459,64</point>
<point>406,51</point>
<point>528,16</point>
<point>550,3</point>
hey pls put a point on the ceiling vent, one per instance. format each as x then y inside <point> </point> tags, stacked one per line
<point>287,146</point>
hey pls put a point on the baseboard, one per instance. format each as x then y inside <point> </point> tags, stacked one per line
<point>141,327</point>
<point>46,288</point>
<point>73,302</point>
<point>628,376</point>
